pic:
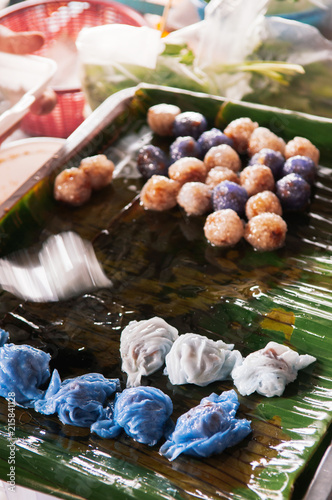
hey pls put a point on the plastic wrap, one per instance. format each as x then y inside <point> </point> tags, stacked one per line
<point>236,51</point>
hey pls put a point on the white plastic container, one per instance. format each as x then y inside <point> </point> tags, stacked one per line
<point>20,159</point>
<point>22,80</point>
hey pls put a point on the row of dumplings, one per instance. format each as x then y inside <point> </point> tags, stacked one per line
<point>195,359</point>
<point>95,402</point>
<point>144,412</point>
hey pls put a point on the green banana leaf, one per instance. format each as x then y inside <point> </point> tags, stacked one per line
<point>161,265</point>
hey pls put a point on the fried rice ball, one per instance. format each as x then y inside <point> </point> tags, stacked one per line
<point>266,232</point>
<point>262,202</point>
<point>159,193</point>
<point>72,186</point>
<point>222,156</point>
<point>161,118</point>
<point>257,178</point>
<point>303,147</point>
<point>195,198</point>
<point>223,228</point>
<point>239,131</point>
<point>187,169</point>
<point>99,169</point>
<point>263,137</point>
<point>219,174</point>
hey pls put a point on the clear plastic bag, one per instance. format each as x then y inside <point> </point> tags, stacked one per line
<point>223,47</point>
<point>299,43</point>
<point>241,53</point>
<point>116,56</point>
<point>236,52</point>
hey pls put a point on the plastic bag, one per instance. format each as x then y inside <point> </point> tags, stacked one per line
<point>302,44</point>
<point>291,8</point>
<point>183,13</point>
<point>116,56</point>
<point>222,45</point>
<point>241,53</point>
<point>236,52</point>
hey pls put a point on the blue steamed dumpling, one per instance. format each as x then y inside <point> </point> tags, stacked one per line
<point>106,427</point>
<point>143,412</point>
<point>78,401</point>
<point>207,429</point>
<point>4,336</point>
<point>23,370</point>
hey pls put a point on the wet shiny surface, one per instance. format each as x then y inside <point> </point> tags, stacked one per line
<point>160,264</point>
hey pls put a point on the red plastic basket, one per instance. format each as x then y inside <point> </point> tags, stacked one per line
<point>57,19</point>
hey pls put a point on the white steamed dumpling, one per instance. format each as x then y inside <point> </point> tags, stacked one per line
<point>143,347</point>
<point>269,370</point>
<point>196,359</point>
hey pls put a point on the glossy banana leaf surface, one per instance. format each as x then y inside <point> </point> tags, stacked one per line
<point>161,265</point>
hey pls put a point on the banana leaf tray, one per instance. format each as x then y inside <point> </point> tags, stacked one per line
<point>161,265</point>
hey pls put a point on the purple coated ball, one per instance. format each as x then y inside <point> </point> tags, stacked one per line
<point>272,159</point>
<point>183,147</point>
<point>152,160</point>
<point>301,165</point>
<point>189,123</point>
<point>229,194</point>
<point>213,137</point>
<point>293,192</point>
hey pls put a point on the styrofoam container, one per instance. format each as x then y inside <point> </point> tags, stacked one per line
<point>20,159</point>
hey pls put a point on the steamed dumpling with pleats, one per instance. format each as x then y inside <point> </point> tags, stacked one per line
<point>143,412</point>
<point>269,370</point>
<point>207,429</point>
<point>143,347</point>
<point>196,359</point>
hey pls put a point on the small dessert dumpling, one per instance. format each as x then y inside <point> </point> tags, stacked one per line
<point>272,159</point>
<point>223,228</point>
<point>143,347</point>
<point>302,146</point>
<point>189,123</point>
<point>23,371</point>
<point>142,412</point>
<point>151,160</point>
<point>262,202</point>
<point>222,156</point>
<point>266,232</point>
<point>240,130</point>
<point>263,137</point>
<point>195,198</point>
<point>257,178</point>
<point>184,147</point>
<point>219,174</point>
<point>269,370</point>
<point>72,186</point>
<point>161,118</point>
<point>196,359</point>
<point>187,169</point>
<point>302,165</point>
<point>99,169</point>
<point>229,194</point>
<point>78,401</point>
<point>294,192</point>
<point>159,193</point>
<point>211,138</point>
<point>207,429</point>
